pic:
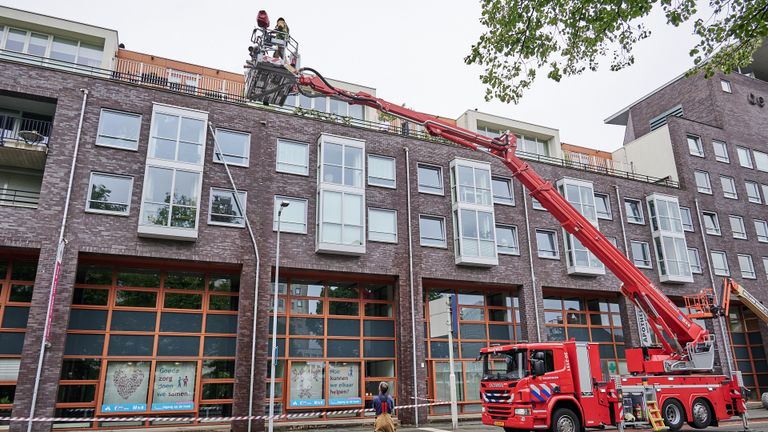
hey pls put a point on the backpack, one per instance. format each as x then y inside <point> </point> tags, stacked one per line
<point>384,404</point>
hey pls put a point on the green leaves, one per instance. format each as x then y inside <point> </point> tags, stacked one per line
<point>566,37</point>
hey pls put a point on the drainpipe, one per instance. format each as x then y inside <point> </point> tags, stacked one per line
<point>236,196</point>
<point>720,319</point>
<point>410,282</point>
<point>530,264</point>
<point>45,342</point>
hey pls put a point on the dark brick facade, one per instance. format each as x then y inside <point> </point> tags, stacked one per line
<point>117,236</point>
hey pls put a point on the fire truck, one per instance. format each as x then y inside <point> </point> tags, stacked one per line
<point>557,386</point>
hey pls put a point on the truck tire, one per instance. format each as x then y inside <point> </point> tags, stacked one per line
<point>565,420</point>
<point>673,414</point>
<point>701,414</point>
<point>765,400</point>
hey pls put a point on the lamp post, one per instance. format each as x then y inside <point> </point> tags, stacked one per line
<point>283,205</point>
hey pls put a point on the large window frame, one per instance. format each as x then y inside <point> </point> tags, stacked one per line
<point>746,266</point>
<point>753,192</point>
<point>377,235</point>
<point>503,191</point>
<point>745,157</point>
<point>390,181</point>
<point>721,151</point>
<point>634,210</point>
<point>508,249</point>
<point>109,139</point>
<point>668,236</point>
<point>433,241</point>
<point>695,147</point>
<point>687,218</point>
<point>241,159</point>
<point>287,225</point>
<point>761,229</point>
<point>720,263</point>
<point>729,187</point>
<point>711,223</point>
<point>703,182</point>
<point>474,232</point>
<point>47,42</point>
<point>290,167</point>
<point>547,253</point>
<point>232,209</point>
<point>641,254</point>
<point>738,228</point>
<point>429,188</point>
<point>106,210</point>
<point>581,195</point>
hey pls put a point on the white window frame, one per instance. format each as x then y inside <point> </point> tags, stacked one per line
<point>715,269</point>
<point>538,249</point>
<point>515,234</point>
<point>739,232</point>
<point>761,160</point>
<point>644,262</point>
<point>764,188</point>
<point>750,272</point>
<point>721,156</point>
<point>439,170</point>
<point>639,203</point>
<point>716,230</point>
<point>479,196</point>
<point>247,150</point>
<point>332,187</point>
<point>695,268</point>
<point>169,232</point>
<point>765,264</point>
<point>394,172</point>
<point>444,244</point>
<point>370,225</point>
<point>725,85</point>
<point>687,211</point>
<point>305,166</point>
<point>292,200</point>
<point>99,130</point>
<point>575,251</point>
<point>511,191</point>
<point>696,150</point>
<point>742,153</point>
<point>668,236</point>
<point>753,198</point>
<point>706,188</point>
<point>536,204</point>
<point>472,199</point>
<point>243,202</point>
<point>88,208</point>
<point>607,199</point>
<point>729,187</point>
<point>761,228</point>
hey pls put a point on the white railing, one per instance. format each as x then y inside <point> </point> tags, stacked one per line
<point>596,161</point>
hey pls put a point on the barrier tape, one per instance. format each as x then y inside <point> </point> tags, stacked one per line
<point>206,419</point>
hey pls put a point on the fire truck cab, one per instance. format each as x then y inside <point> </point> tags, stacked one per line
<point>547,386</point>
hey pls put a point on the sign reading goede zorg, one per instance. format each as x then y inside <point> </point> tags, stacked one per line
<point>174,386</point>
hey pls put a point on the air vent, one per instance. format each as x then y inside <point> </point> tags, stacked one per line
<point>661,120</point>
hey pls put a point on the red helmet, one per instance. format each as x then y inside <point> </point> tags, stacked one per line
<point>262,19</point>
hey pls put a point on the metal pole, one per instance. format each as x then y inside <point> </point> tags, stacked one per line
<point>275,303</point>
<point>451,370</point>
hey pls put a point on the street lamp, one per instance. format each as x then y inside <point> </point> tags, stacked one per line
<point>283,205</point>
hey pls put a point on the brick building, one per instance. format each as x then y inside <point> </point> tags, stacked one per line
<point>161,296</point>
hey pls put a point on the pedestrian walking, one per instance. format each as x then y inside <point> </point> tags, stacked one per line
<point>383,405</point>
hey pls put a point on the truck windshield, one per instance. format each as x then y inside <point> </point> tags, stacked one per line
<point>505,365</point>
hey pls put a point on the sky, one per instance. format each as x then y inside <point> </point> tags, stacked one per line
<point>410,51</point>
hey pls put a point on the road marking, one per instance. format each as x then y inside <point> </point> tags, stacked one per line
<point>433,430</point>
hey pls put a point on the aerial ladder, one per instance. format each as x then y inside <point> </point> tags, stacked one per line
<point>703,306</point>
<point>684,361</point>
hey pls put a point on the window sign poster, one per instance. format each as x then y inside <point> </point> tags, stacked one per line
<point>126,387</point>
<point>174,386</point>
<point>344,384</point>
<point>307,380</point>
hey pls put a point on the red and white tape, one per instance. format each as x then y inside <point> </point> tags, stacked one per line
<point>205,419</point>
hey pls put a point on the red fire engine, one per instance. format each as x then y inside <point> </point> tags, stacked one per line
<point>557,386</point>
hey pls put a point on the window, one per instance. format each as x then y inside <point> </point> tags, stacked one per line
<point>382,225</point>
<point>746,266</point>
<point>725,85</point>
<point>430,179</point>
<point>546,244</point>
<point>534,146</point>
<point>294,216</point>
<point>753,192</point>
<point>502,191</point>
<point>603,206</point>
<point>119,129</point>
<point>694,146</point>
<point>669,239</point>
<point>224,209</point>
<point>476,235</point>
<point>173,176</point>
<point>292,157</point>
<point>613,240</point>
<point>581,195</point>
<point>729,187</point>
<point>685,214</point>
<point>711,223</point>
<point>720,263</point>
<point>765,192</point>
<point>381,171</point>
<point>761,228</point>
<point>432,231</point>
<point>765,264</point>
<point>473,218</point>
<point>761,160</point>
<point>109,194</point>
<point>234,146</point>
<point>641,254</point>
<point>721,151</point>
<point>695,260</point>
<point>536,205</point>
<point>737,227</point>
<point>506,240</point>
<point>745,159</point>
<point>471,182</point>
<point>634,211</point>
<point>703,184</point>
<point>341,206</point>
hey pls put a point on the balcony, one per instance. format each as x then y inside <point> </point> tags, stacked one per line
<point>596,162</point>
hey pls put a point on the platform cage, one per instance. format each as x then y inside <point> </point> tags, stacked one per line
<point>272,70</point>
<point>700,305</point>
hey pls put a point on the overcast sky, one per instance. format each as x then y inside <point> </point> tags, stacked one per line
<point>411,51</point>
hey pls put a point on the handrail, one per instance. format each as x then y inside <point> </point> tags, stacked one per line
<point>144,74</point>
<point>11,126</point>
<point>19,198</point>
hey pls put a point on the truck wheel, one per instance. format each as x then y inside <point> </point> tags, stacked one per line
<point>565,420</point>
<point>674,415</point>
<point>702,415</point>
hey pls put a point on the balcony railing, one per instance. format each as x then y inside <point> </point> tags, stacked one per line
<point>19,198</point>
<point>215,88</point>
<point>596,161</point>
<point>19,129</point>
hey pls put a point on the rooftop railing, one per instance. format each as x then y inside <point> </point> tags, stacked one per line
<point>198,85</point>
